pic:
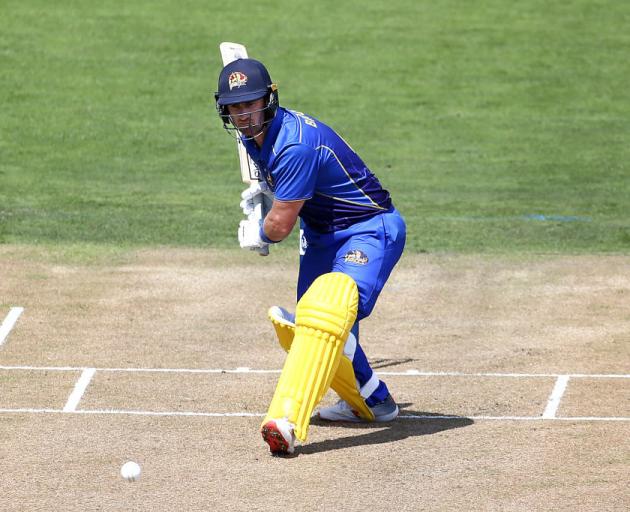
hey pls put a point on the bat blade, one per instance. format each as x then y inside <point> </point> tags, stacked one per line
<point>249,170</point>
<point>232,51</point>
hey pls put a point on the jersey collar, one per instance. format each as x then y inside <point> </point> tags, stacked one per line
<point>272,134</point>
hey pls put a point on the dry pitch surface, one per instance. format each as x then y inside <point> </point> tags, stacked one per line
<point>512,374</point>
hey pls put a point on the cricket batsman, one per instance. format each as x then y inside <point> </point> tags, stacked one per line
<point>351,238</point>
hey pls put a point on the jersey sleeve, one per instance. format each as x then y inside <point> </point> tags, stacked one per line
<point>295,173</point>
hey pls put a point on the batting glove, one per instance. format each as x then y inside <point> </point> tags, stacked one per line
<point>257,192</point>
<point>249,236</point>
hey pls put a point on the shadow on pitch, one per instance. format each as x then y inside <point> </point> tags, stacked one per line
<point>379,433</point>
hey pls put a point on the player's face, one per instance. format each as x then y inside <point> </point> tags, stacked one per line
<point>248,116</point>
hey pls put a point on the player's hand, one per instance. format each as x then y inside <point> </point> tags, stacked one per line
<point>249,236</point>
<point>257,192</point>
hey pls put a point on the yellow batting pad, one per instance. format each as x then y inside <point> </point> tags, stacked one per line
<point>344,382</point>
<point>284,325</point>
<point>345,385</point>
<point>323,319</point>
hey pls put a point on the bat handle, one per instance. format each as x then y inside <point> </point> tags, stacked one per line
<point>259,215</point>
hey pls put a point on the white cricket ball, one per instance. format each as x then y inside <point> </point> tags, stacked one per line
<point>130,471</point>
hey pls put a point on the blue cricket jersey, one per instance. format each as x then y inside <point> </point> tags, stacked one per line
<point>303,159</point>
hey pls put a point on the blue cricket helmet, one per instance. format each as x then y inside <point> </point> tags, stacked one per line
<point>245,80</point>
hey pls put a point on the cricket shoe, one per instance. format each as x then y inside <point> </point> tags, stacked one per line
<point>278,434</point>
<point>387,410</point>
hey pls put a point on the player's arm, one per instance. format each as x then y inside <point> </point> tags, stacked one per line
<point>295,175</point>
<point>281,218</point>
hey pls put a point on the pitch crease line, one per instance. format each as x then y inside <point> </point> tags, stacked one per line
<point>9,322</point>
<point>556,396</point>
<point>260,415</point>
<point>243,369</point>
<point>79,390</point>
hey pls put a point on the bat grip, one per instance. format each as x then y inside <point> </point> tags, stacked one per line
<point>259,215</point>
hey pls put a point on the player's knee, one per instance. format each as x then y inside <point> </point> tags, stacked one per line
<point>365,307</point>
<point>329,305</point>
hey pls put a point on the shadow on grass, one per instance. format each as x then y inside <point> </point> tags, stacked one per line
<point>379,433</point>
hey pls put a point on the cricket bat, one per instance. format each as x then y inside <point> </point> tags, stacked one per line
<point>249,170</point>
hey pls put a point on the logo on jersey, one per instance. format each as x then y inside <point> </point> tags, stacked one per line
<point>303,243</point>
<point>356,256</point>
<point>237,79</point>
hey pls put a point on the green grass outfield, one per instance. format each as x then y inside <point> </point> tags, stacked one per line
<point>498,126</point>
